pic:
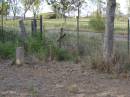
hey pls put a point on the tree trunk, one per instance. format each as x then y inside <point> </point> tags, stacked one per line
<point>6,17</point>
<point>78,29</point>
<point>56,12</point>
<point>128,5</point>
<point>24,16</point>
<point>99,11</point>
<point>14,16</point>
<point>34,14</point>
<point>109,30</point>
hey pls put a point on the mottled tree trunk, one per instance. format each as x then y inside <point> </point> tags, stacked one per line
<point>109,30</point>
<point>24,16</point>
<point>128,5</point>
<point>78,29</point>
<point>14,16</point>
<point>34,14</point>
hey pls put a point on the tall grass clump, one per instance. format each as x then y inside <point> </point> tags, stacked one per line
<point>49,15</point>
<point>97,23</point>
<point>36,46</point>
<point>8,35</point>
<point>7,50</point>
<point>46,48</point>
<point>8,42</point>
<point>62,54</point>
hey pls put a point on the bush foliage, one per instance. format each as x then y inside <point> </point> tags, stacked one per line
<point>97,23</point>
<point>49,15</point>
<point>7,49</point>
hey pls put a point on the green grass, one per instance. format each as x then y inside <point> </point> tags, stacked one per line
<point>120,24</point>
<point>90,46</point>
<point>7,50</point>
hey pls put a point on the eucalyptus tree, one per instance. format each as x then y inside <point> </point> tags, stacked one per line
<point>99,4</point>
<point>27,5</point>
<point>35,7</point>
<point>1,13</point>
<point>59,6</point>
<point>76,5</point>
<point>64,6</point>
<point>55,4</point>
<point>14,7</point>
<point>4,8</point>
<point>128,6</point>
<point>109,30</point>
<point>56,9</point>
<point>118,11</point>
<point>69,5</point>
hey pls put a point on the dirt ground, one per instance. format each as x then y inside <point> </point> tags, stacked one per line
<point>64,79</point>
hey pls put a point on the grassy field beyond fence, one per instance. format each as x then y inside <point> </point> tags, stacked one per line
<point>121,25</point>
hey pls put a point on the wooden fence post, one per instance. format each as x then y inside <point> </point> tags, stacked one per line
<point>60,41</point>
<point>50,52</point>
<point>32,30</point>
<point>41,26</point>
<point>62,35</point>
<point>77,34</point>
<point>35,25</point>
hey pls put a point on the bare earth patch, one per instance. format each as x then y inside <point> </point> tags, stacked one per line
<point>62,79</point>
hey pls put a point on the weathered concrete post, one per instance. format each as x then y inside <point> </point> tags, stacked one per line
<point>20,50</point>
<point>23,33</point>
<point>19,55</point>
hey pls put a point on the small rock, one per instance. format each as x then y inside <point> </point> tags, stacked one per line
<point>80,95</point>
<point>59,86</point>
<point>73,88</point>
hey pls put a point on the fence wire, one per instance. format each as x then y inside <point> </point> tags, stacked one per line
<point>90,37</point>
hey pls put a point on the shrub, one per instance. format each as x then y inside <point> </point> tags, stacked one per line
<point>49,15</point>
<point>8,35</point>
<point>62,55</point>
<point>97,23</point>
<point>35,46</point>
<point>7,49</point>
<point>8,42</point>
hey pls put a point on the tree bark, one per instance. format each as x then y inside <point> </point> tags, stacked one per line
<point>78,29</point>
<point>14,16</point>
<point>34,15</point>
<point>24,16</point>
<point>109,30</point>
<point>128,5</point>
